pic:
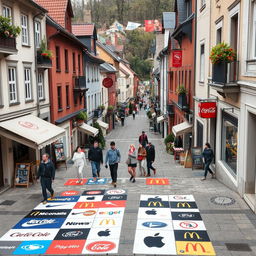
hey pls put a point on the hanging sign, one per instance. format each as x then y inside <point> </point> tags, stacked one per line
<point>177,58</point>
<point>107,82</point>
<point>207,109</point>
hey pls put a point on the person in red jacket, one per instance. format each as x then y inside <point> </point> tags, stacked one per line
<point>143,139</point>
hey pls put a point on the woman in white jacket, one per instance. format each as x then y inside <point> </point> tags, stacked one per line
<point>79,162</point>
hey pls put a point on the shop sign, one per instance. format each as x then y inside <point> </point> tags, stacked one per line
<point>207,109</point>
<point>107,82</point>
<point>177,58</point>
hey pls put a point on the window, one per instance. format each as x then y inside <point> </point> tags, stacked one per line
<point>234,32</point>
<point>67,96</point>
<point>203,3</point>
<point>40,85</point>
<point>66,60</point>
<point>219,35</point>
<point>74,62</point>
<point>59,98</point>
<point>188,8</point>
<point>254,31</point>
<point>79,64</point>
<point>24,29</point>
<point>202,63</point>
<point>37,34</point>
<point>229,141</point>
<point>12,84</point>
<point>57,54</point>
<point>27,81</point>
<point>7,12</point>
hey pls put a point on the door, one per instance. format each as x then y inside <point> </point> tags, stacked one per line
<point>199,134</point>
<point>1,167</point>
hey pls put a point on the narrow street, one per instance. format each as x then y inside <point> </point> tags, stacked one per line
<point>228,226</point>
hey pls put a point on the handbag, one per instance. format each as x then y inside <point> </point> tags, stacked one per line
<point>128,161</point>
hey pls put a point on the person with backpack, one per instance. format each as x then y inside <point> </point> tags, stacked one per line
<point>46,173</point>
<point>113,158</point>
<point>150,149</point>
<point>143,139</point>
<point>79,162</point>
<point>208,156</point>
<point>95,156</point>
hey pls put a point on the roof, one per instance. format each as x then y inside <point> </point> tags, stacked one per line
<point>92,58</point>
<point>83,29</point>
<point>124,71</point>
<point>32,2</point>
<point>108,68</point>
<point>56,9</point>
<point>109,51</point>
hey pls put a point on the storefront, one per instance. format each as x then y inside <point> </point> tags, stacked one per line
<point>22,140</point>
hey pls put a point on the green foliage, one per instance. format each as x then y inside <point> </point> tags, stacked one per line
<point>81,116</point>
<point>169,138</point>
<point>222,52</point>
<point>110,108</point>
<point>43,49</point>
<point>181,89</point>
<point>7,29</point>
<point>100,138</point>
<point>101,107</point>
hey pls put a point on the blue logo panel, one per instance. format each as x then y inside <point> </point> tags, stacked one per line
<point>64,199</point>
<point>154,224</point>
<point>38,223</point>
<point>97,182</point>
<point>32,247</point>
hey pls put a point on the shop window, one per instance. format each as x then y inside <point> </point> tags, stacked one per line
<point>229,141</point>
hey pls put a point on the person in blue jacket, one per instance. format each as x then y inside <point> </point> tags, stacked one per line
<point>208,156</point>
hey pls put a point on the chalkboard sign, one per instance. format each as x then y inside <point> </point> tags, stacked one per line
<point>59,152</point>
<point>22,174</point>
<point>197,160</point>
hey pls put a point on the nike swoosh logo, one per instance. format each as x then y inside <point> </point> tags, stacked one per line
<point>26,225</point>
<point>76,213</point>
<point>53,205</point>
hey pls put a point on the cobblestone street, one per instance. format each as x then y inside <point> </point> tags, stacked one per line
<point>231,227</point>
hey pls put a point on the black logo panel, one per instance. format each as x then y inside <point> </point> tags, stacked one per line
<point>114,197</point>
<point>186,216</point>
<point>48,214</point>
<point>155,204</point>
<point>184,205</point>
<point>189,235</point>
<point>72,234</point>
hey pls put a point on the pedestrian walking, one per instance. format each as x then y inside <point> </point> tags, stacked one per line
<point>133,114</point>
<point>150,149</point>
<point>142,153</point>
<point>95,156</point>
<point>143,139</point>
<point>208,156</point>
<point>132,162</point>
<point>79,162</point>
<point>46,173</point>
<point>113,157</point>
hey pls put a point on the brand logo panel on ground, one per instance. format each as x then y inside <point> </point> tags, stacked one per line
<point>114,197</point>
<point>72,234</point>
<point>92,198</point>
<point>63,199</point>
<point>181,205</point>
<point>88,214</point>
<point>77,223</point>
<point>101,247</point>
<point>93,192</point>
<point>70,193</point>
<point>97,182</point>
<point>48,214</point>
<point>35,223</point>
<point>115,192</point>
<point>188,235</point>
<point>8,247</point>
<point>75,182</point>
<point>114,213</point>
<point>186,216</point>
<point>195,248</point>
<point>156,181</point>
<point>62,247</point>
<point>155,204</point>
<point>32,247</point>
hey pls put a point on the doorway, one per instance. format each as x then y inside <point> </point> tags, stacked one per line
<point>199,134</point>
<point>250,179</point>
<point>1,167</point>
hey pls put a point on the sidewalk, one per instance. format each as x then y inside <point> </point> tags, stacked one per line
<point>227,225</point>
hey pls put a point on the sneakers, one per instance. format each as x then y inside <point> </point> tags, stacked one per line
<point>52,195</point>
<point>131,178</point>
<point>203,179</point>
<point>133,181</point>
<point>148,175</point>
<point>44,202</point>
<point>114,184</point>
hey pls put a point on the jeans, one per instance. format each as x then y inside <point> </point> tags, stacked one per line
<point>46,183</point>
<point>95,169</point>
<point>80,171</point>
<point>141,166</point>
<point>150,166</point>
<point>207,168</point>
<point>113,171</point>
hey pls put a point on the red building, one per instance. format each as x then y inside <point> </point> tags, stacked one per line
<point>67,83</point>
<point>181,71</point>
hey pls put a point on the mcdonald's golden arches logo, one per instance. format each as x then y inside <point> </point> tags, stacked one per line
<point>108,221</point>
<point>157,181</point>
<point>183,205</point>
<point>195,247</point>
<point>155,204</point>
<point>192,235</point>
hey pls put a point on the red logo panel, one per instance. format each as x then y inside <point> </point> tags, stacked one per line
<point>62,247</point>
<point>102,204</point>
<point>157,182</point>
<point>73,182</point>
<point>70,193</point>
<point>101,246</point>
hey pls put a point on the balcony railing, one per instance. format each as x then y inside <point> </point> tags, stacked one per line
<point>43,62</point>
<point>8,46</point>
<point>224,77</point>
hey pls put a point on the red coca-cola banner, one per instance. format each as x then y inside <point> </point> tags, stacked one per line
<point>177,58</point>
<point>207,109</point>
<point>107,82</point>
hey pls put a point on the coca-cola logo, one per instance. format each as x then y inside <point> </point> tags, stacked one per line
<point>30,234</point>
<point>208,110</point>
<point>177,56</point>
<point>101,246</point>
<point>70,193</point>
<point>28,125</point>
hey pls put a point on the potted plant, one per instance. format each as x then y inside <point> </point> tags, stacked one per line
<point>220,56</point>
<point>81,117</point>
<point>7,29</point>
<point>182,96</point>
<point>101,108</point>
<point>44,55</point>
<point>110,109</point>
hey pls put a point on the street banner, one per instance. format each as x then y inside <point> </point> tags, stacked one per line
<point>153,26</point>
<point>177,58</point>
<point>207,109</point>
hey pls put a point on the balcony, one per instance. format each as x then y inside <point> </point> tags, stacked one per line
<point>8,46</point>
<point>182,102</point>
<point>43,62</point>
<point>80,84</point>
<point>224,78</point>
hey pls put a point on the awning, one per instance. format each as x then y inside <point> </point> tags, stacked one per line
<point>31,131</point>
<point>103,124</point>
<point>92,131</point>
<point>160,119</point>
<point>182,128</point>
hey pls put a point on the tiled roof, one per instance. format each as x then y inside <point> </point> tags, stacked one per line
<point>83,29</point>
<point>56,9</point>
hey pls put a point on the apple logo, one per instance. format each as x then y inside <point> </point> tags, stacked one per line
<point>151,212</point>
<point>90,198</point>
<point>155,199</point>
<point>154,241</point>
<point>104,233</point>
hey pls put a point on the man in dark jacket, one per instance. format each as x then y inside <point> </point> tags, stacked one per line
<point>208,156</point>
<point>46,173</point>
<point>143,139</point>
<point>95,156</point>
<point>150,158</point>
